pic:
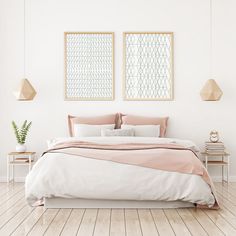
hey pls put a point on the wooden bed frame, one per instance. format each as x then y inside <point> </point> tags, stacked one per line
<point>98,203</point>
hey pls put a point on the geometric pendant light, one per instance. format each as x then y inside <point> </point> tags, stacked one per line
<point>25,91</point>
<point>211,91</point>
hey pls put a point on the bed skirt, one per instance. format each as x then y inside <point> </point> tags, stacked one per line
<point>97,203</point>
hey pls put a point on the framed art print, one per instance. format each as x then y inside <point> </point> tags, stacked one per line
<point>89,66</point>
<point>148,66</point>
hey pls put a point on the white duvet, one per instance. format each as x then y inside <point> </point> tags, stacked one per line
<point>67,176</point>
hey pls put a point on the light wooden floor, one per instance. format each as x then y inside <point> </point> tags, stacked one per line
<point>17,218</point>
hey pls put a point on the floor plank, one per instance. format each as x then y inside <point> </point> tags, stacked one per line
<point>117,227</point>
<point>4,188</point>
<point>10,213</point>
<point>103,223</point>
<point>132,222</point>
<point>227,187</point>
<point>11,193</point>
<point>11,202</point>
<point>147,223</point>
<point>226,203</point>
<point>192,224</point>
<point>72,225</point>
<point>43,223</point>
<point>162,223</point>
<point>12,224</point>
<point>226,194</point>
<point>176,222</point>
<point>88,223</point>
<point>58,222</point>
<point>7,187</point>
<point>222,224</point>
<point>25,227</point>
<point>206,222</point>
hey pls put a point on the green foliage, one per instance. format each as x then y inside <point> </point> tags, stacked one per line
<point>21,133</point>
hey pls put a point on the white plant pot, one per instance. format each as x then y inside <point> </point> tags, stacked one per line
<point>20,147</point>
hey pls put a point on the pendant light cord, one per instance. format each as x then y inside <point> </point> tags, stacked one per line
<point>211,32</point>
<point>24,39</point>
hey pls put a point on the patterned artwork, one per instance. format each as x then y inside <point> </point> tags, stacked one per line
<point>89,66</point>
<point>148,66</point>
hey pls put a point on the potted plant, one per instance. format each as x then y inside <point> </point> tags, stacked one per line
<point>21,134</point>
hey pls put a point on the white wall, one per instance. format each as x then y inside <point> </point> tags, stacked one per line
<point>190,118</point>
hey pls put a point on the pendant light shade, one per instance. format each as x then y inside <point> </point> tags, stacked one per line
<point>211,91</point>
<point>25,91</point>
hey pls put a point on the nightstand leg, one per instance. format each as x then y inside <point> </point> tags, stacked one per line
<point>30,163</point>
<point>206,160</point>
<point>13,172</point>
<point>227,169</point>
<point>223,174</point>
<point>8,169</point>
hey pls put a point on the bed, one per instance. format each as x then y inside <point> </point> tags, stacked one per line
<point>67,177</point>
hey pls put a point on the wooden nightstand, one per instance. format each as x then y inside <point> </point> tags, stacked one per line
<point>222,162</point>
<point>19,159</point>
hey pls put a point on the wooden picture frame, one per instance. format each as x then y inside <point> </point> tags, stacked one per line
<point>148,66</point>
<point>89,66</point>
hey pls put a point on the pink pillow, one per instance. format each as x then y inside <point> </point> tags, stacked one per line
<point>143,120</point>
<point>94,120</point>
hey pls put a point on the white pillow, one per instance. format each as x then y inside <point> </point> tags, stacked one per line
<point>144,130</point>
<point>117,132</point>
<point>83,130</point>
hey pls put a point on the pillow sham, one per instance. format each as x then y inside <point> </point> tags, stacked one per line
<point>83,130</point>
<point>142,120</point>
<point>144,130</point>
<point>117,132</point>
<point>95,120</point>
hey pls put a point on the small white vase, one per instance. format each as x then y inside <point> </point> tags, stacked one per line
<point>20,147</point>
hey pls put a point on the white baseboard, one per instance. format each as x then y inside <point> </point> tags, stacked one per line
<point>214,178</point>
<point>17,179</point>
<point>219,178</point>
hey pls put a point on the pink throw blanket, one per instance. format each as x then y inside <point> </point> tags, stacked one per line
<point>167,157</point>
